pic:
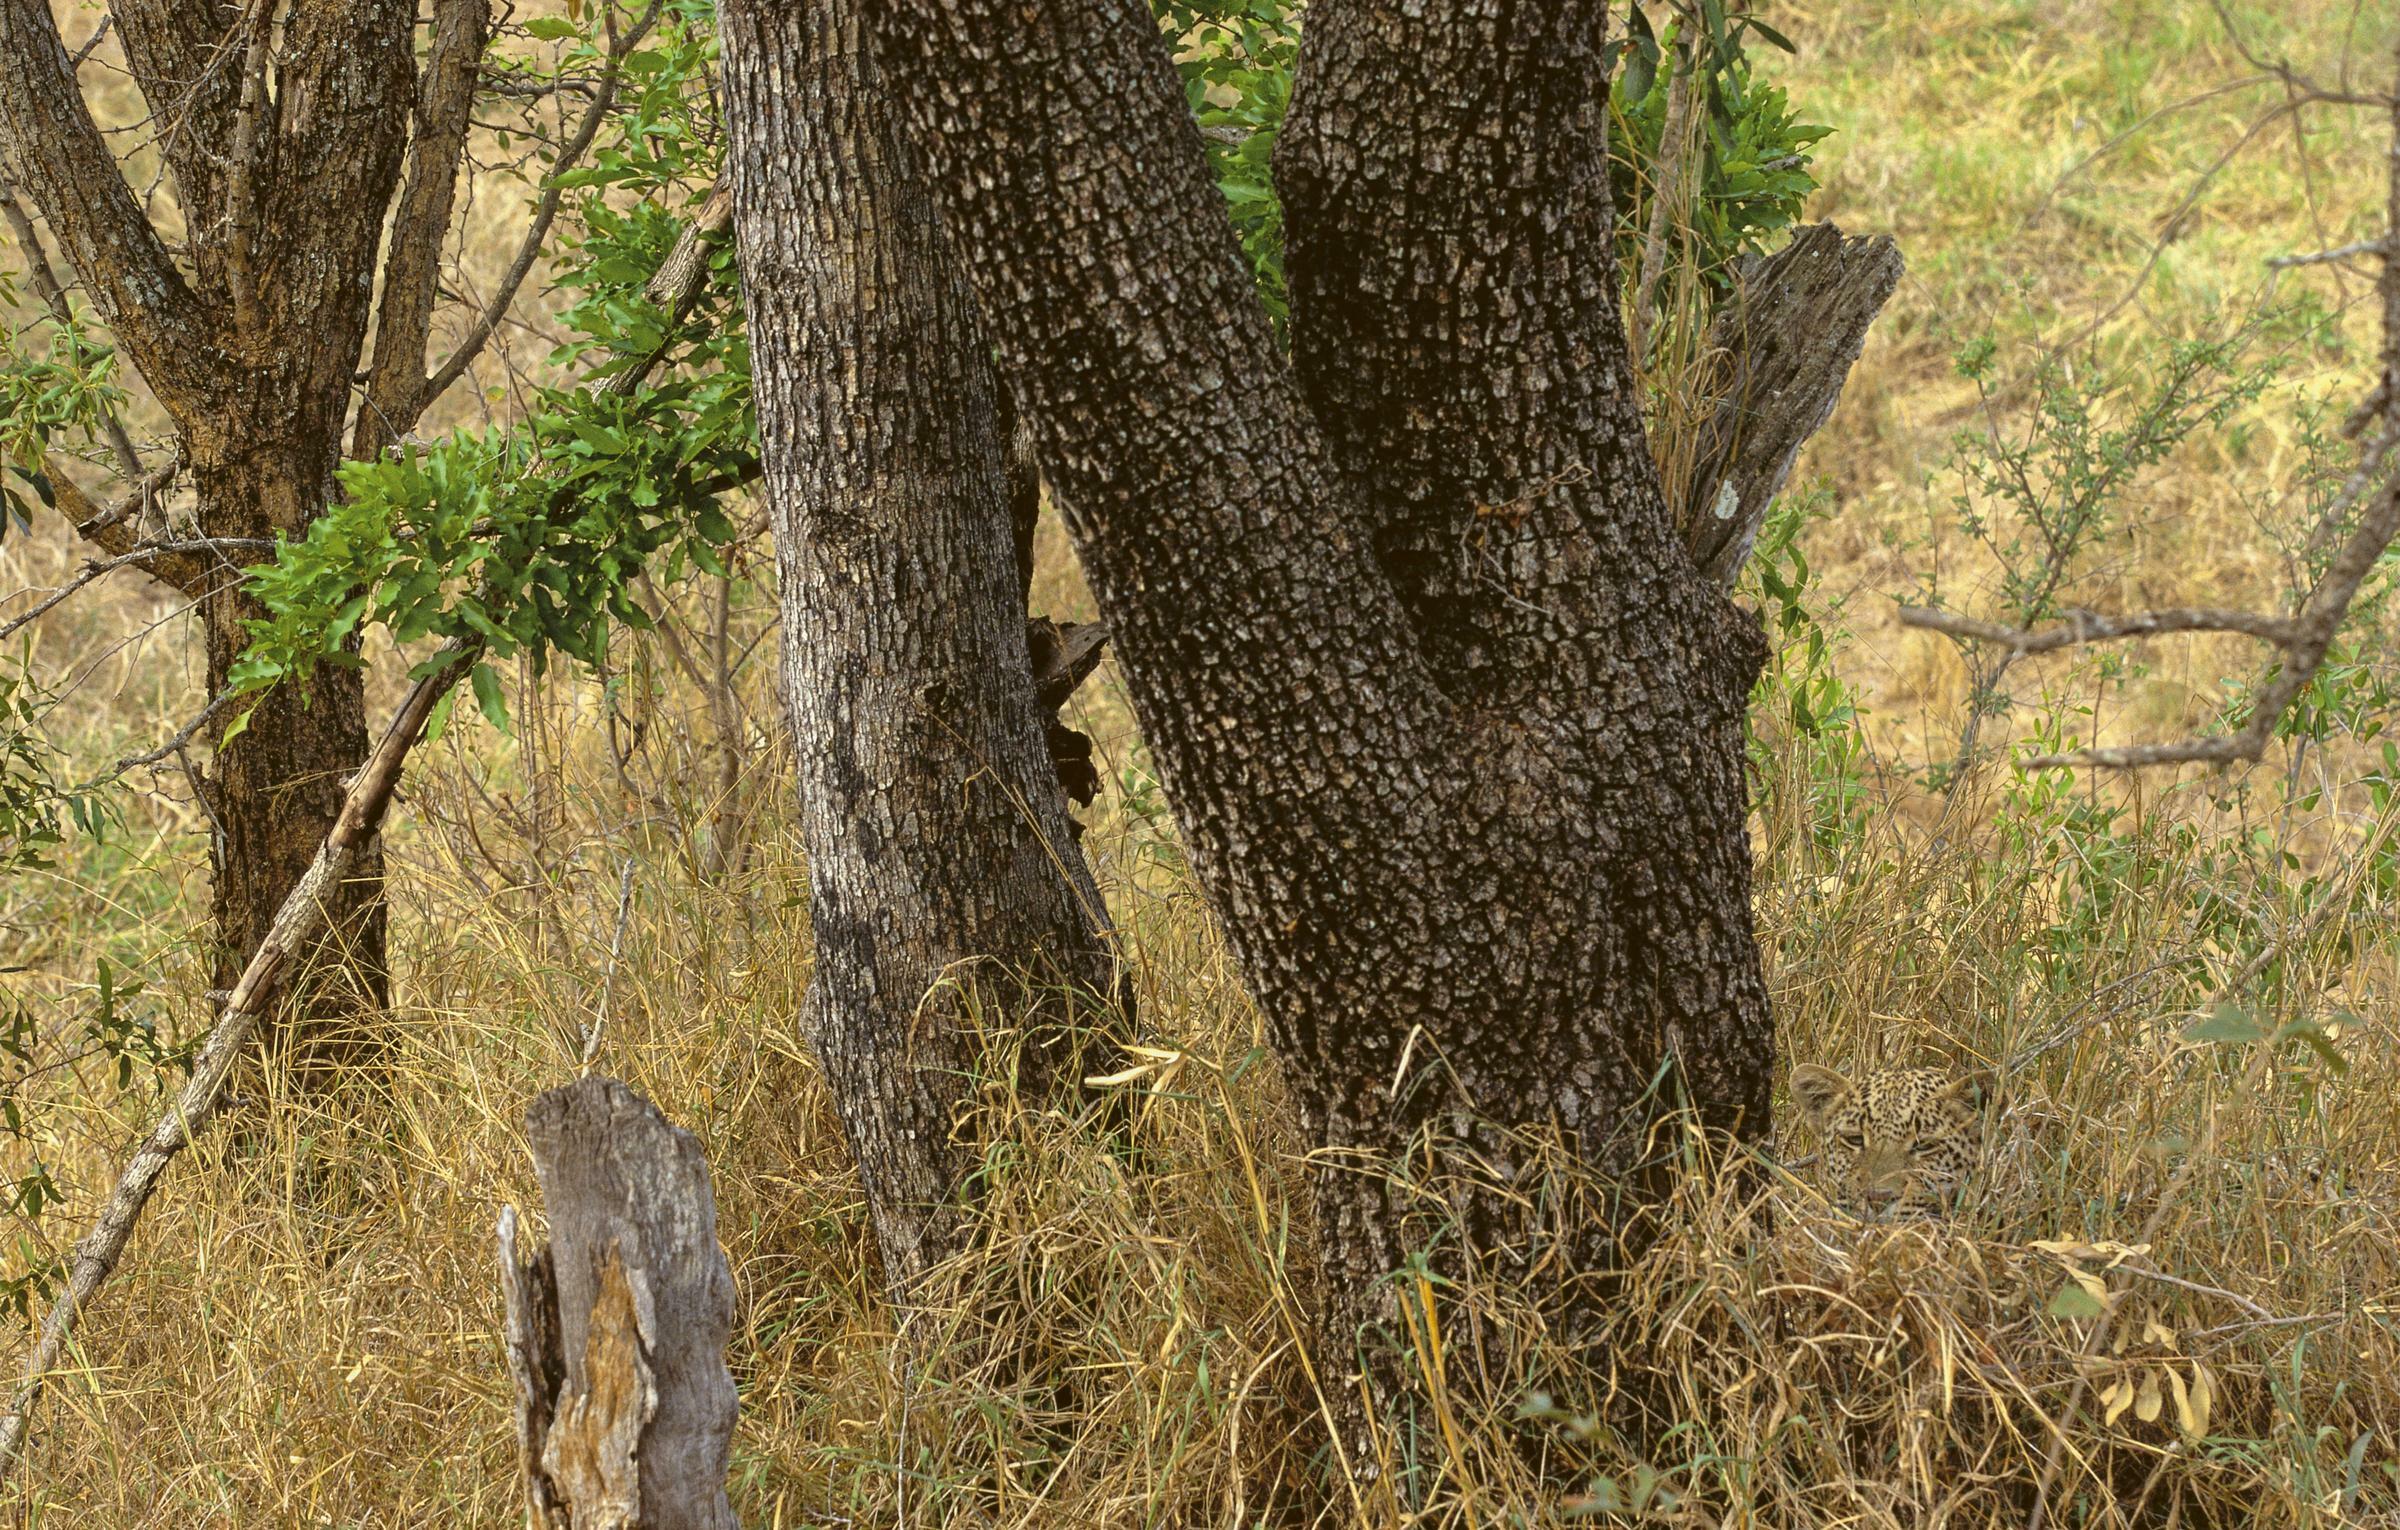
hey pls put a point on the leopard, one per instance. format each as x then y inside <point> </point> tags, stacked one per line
<point>1903,1139</point>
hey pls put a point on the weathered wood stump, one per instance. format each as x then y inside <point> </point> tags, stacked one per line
<point>616,1329</point>
<point>1791,334</point>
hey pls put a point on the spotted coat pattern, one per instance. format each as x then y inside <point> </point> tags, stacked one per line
<point>1904,1137</point>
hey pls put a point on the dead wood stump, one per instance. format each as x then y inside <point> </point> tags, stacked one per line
<point>616,1329</point>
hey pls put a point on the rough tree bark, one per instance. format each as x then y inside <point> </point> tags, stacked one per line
<point>283,151</point>
<point>943,869</point>
<point>616,1328</point>
<point>1452,722</point>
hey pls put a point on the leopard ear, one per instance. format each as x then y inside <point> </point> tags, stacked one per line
<point>1980,1089</point>
<point>1820,1091</point>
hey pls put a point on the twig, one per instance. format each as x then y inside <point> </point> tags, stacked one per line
<point>297,923</point>
<point>608,980</point>
<point>544,211</point>
<point>2177,1281</point>
<point>2326,257</point>
<point>1674,150</point>
<point>145,556</point>
<point>183,736</point>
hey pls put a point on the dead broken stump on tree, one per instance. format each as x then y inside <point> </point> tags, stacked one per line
<point>616,1330</point>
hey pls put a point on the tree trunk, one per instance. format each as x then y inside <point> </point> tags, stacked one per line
<point>282,155</point>
<point>277,787</point>
<point>946,887</point>
<point>1451,721</point>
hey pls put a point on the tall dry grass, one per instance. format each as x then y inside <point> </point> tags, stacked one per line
<point>305,1331</point>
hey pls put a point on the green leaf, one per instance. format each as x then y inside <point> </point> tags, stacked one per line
<point>2229,1026</point>
<point>439,720</point>
<point>1770,34</point>
<point>487,696</point>
<point>2074,1302</point>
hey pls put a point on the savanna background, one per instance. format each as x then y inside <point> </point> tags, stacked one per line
<point>2170,1297</point>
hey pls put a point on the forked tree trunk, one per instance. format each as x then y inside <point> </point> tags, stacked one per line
<point>944,878</point>
<point>281,131</point>
<point>1451,721</point>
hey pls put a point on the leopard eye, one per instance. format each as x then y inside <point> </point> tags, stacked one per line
<point>1853,1139</point>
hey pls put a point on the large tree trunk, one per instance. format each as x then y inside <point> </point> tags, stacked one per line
<point>946,887</point>
<point>282,142</point>
<point>1452,723</point>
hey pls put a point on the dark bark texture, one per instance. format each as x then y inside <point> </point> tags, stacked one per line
<point>1452,723</point>
<point>283,150</point>
<point>943,872</point>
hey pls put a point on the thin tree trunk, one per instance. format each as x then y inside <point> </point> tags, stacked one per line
<point>276,788</point>
<point>945,885</point>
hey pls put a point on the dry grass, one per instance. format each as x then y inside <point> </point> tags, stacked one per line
<point>305,1331</point>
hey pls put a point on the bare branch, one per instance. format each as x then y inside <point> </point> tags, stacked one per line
<point>2091,627</point>
<point>2327,257</point>
<point>544,212</point>
<point>111,529</point>
<point>183,736</point>
<point>241,194</point>
<point>1666,198</point>
<point>396,387</point>
<point>146,556</point>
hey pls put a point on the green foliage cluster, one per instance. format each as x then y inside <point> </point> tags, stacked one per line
<point>60,387</point>
<point>1753,168</point>
<point>35,799</point>
<point>126,1040</point>
<point>1237,58</point>
<point>2042,497</point>
<point>527,538</point>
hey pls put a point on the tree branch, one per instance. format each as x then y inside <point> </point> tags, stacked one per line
<point>396,394</point>
<point>184,57</point>
<point>2327,257</point>
<point>111,529</point>
<point>546,209</point>
<point>1793,333</point>
<point>47,134</point>
<point>241,169</point>
<point>145,556</point>
<point>2091,627</point>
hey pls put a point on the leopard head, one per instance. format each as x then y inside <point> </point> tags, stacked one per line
<point>1900,1137</point>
